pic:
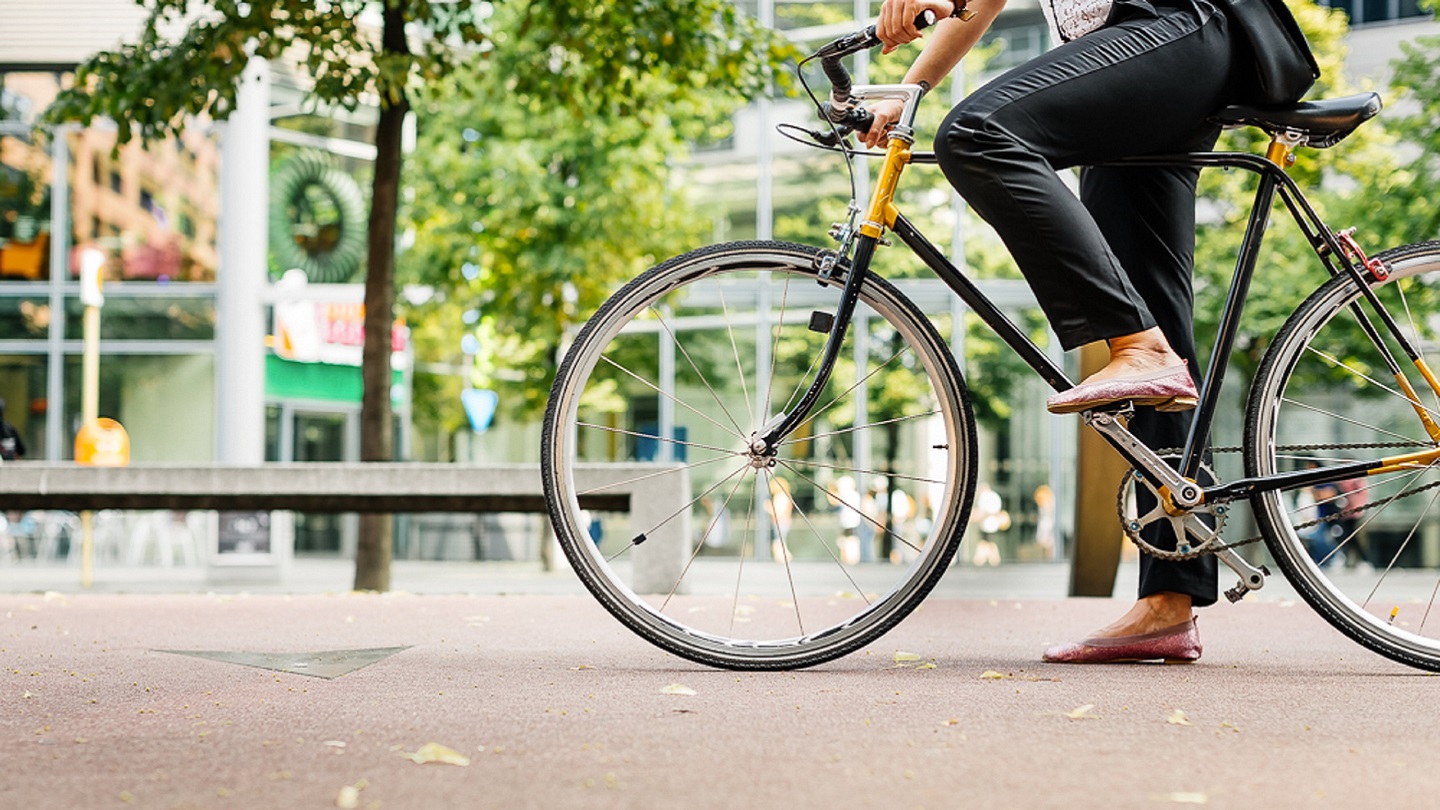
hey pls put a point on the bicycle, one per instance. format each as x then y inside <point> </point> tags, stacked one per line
<point>685,331</point>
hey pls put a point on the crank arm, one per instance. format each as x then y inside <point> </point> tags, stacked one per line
<point>1251,578</point>
<point>1184,494</point>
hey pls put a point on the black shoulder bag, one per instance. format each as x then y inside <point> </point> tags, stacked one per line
<point>1282,68</point>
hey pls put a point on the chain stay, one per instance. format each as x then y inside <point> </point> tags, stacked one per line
<point>1209,548</point>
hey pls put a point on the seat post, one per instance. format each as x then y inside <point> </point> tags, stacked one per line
<point>1281,151</point>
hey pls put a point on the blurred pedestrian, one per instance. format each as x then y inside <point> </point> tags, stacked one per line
<point>781,507</point>
<point>12,446</point>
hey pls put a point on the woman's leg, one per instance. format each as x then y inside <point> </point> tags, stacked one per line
<point>1148,215</point>
<point>1129,89</point>
<point>1117,265</point>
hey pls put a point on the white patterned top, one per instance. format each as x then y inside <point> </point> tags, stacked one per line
<point>1072,19</point>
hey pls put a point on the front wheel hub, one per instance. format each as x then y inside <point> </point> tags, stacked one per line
<point>762,455</point>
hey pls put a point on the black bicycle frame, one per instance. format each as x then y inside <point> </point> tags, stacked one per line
<point>1273,181</point>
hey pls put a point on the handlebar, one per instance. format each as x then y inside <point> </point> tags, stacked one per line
<point>841,109</point>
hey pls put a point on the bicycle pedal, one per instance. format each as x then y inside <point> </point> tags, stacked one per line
<point>1123,409</point>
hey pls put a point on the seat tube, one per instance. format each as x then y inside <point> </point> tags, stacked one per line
<point>1281,153</point>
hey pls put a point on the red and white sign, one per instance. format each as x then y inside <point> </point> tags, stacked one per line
<point>308,330</point>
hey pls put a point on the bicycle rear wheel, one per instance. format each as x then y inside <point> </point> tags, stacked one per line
<point>750,565</point>
<point>1365,553</point>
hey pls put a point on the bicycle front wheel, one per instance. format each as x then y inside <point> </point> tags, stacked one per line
<point>734,559</point>
<point>1364,553</point>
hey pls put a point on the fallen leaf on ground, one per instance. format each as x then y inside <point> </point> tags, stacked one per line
<point>992,675</point>
<point>677,689</point>
<point>348,798</point>
<point>901,656</point>
<point>435,752</point>
<point>927,665</point>
<point>1178,718</point>
<point>1182,797</point>
<point>1082,713</point>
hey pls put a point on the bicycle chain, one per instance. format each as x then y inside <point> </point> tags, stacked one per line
<point>1162,554</point>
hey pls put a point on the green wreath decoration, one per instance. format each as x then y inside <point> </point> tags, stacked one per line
<point>317,219</point>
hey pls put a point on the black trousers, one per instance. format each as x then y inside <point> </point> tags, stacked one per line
<point>1118,259</point>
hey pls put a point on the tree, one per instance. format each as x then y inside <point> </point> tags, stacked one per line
<point>1410,213</point>
<point>575,50</point>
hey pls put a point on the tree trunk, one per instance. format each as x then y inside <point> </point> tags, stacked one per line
<point>376,542</point>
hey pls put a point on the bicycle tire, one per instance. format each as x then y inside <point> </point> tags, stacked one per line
<point>1317,397</point>
<point>825,606</point>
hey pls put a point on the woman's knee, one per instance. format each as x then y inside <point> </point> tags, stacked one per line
<point>966,148</point>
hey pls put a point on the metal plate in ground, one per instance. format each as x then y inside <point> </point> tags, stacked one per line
<point>321,664</point>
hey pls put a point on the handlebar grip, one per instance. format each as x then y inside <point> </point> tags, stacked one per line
<point>866,39</point>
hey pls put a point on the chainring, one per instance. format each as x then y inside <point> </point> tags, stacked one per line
<point>1193,536</point>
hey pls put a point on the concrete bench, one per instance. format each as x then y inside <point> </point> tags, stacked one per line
<point>373,488</point>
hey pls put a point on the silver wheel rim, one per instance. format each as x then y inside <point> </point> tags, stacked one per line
<point>729,640</point>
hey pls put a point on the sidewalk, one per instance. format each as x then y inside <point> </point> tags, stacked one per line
<point>550,703</point>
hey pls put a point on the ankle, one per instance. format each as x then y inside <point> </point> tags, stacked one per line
<point>1148,349</point>
<point>1167,609</point>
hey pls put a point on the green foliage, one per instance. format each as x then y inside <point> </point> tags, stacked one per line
<point>579,53</point>
<point>1411,191</point>
<point>529,213</point>
<point>1344,184</point>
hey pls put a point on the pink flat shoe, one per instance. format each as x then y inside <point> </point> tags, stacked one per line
<point>1173,645</point>
<point>1169,389</point>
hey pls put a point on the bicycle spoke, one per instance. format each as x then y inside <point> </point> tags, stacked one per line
<point>874,523</point>
<point>878,473</point>
<point>744,538</point>
<point>641,537</point>
<point>1323,412</point>
<point>674,441</point>
<point>1401,549</point>
<point>735,351</point>
<point>1431,604</point>
<point>671,397</point>
<point>656,474</point>
<point>775,346</point>
<point>843,431</point>
<point>698,373</point>
<point>858,383</point>
<point>789,572</point>
<point>844,569</point>
<point>801,384</point>
<point>696,551</point>
<point>1383,387</point>
<point>1372,516</point>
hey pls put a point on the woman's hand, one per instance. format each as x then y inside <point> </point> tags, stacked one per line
<point>886,113</point>
<point>896,25</point>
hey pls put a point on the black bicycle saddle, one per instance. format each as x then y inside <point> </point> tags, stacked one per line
<point>1323,123</point>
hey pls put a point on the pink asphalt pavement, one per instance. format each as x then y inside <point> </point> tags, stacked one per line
<point>556,705</point>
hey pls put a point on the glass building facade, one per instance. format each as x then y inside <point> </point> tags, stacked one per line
<point>152,215</point>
